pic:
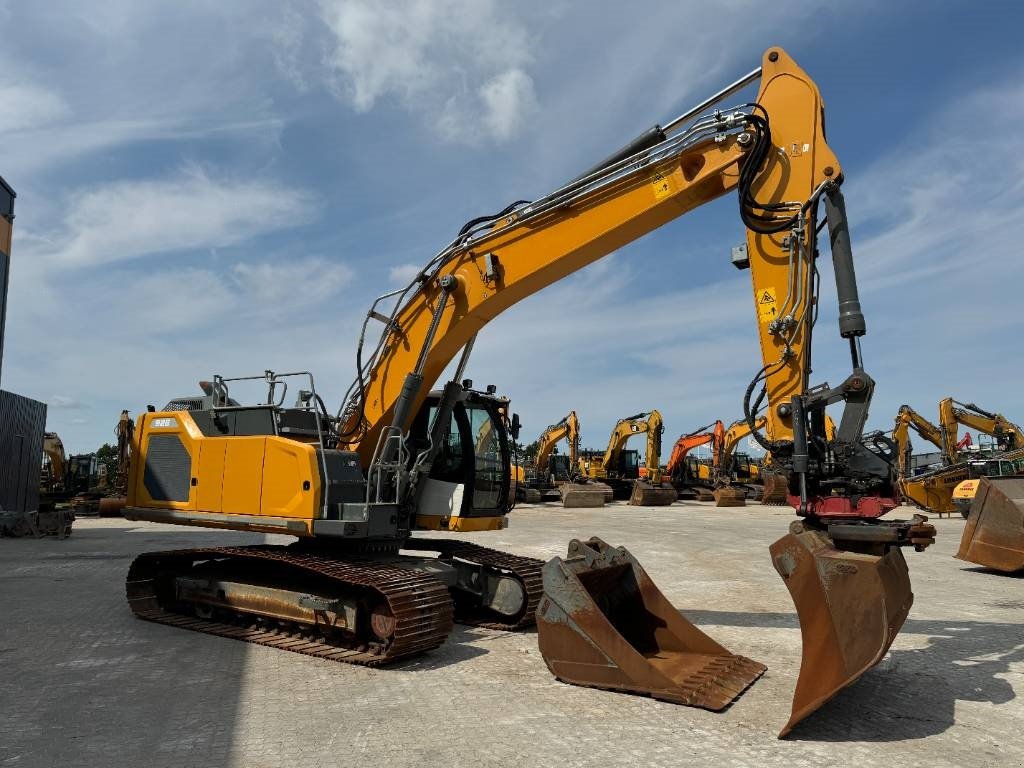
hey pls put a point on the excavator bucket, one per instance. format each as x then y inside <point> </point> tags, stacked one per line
<point>994,532</point>
<point>576,495</point>
<point>850,607</point>
<point>602,623</point>
<point>648,494</point>
<point>730,496</point>
<point>776,488</point>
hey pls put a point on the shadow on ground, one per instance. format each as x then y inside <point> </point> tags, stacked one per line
<point>910,694</point>
<point>116,690</point>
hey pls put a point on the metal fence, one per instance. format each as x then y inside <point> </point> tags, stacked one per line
<point>22,422</point>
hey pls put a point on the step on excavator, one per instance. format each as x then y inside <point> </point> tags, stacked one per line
<point>352,487</point>
<point>620,468</point>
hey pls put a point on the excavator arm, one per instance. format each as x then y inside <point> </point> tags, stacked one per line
<point>712,433</point>
<point>908,419</point>
<point>638,424</point>
<point>1008,435</point>
<point>53,447</point>
<point>566,429</point>
<point>721,455</point>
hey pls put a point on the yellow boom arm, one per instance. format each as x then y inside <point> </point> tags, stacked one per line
<point>1009,435</point>
<point>566,429</point>
<point>906,419</point>
<point>488,269</point>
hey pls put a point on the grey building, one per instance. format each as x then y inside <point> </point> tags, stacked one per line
<point>22,420</point>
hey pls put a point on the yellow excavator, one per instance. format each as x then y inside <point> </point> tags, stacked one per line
<point>351,488</point>
<point>620,468</point>
<point>557,476</point>
<point>730,491</point>
<point>991,495</point>
<point>952,413</point>
<point>931,491</point>
<point>952,487</point>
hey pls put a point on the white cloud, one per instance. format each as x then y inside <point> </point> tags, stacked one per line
<point>459,62</point>
<point>28,106</point>
<point>309,280</point>
<point>191,210</point>
<point>65,402</point>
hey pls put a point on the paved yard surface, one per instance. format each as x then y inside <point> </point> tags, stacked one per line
<point>83,683</point>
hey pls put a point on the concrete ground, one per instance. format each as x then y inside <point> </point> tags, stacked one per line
<point>83,683</point>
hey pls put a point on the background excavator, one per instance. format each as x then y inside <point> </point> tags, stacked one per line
<point>687,476</point>
<point>620,468</point>
<point>553,476</point>
<point>729,489</point>
<point>991,495</point>
<point>357,586</point>
<point>952,487</point>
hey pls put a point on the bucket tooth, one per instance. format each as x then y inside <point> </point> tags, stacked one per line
<point>850,606</point>
<point>602,623</point>
<point>647,494</point>
<point>994,532</point>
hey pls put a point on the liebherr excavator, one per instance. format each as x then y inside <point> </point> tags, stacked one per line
<point>620,468</point>
<point>356,586</point>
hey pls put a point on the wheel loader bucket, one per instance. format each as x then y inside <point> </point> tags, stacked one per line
<point>728,496</point>
<point>647,494</point>
<point>776,488</point>
<point>994,532</point>
<point>850,607</point>
<point>602,623</point>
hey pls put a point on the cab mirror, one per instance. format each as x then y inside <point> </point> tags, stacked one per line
<point>516,425</point>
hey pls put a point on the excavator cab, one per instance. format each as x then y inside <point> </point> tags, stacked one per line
<point>469,484</point>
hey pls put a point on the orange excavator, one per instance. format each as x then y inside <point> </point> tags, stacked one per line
<point>688,479</point>
<point>351,488</point>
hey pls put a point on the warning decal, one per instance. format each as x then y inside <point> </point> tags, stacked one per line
<point>767,308</point>
<point>662,185</point>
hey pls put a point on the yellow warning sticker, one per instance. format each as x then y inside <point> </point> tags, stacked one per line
<point>662,184</point>
<point>767,308</point>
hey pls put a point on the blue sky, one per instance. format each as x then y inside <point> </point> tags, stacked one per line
<point>223,188</point>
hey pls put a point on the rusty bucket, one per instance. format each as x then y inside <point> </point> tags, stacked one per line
<point>602,623</point>
<point>648,494</point>
<point>776,488</point>
<point>850,606</point>
<point>730,496</point>
<point>994,532</point>
<point>112,506</point>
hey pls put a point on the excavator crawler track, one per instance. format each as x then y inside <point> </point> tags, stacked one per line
<point>526,570</point>
<point>418,604</point>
